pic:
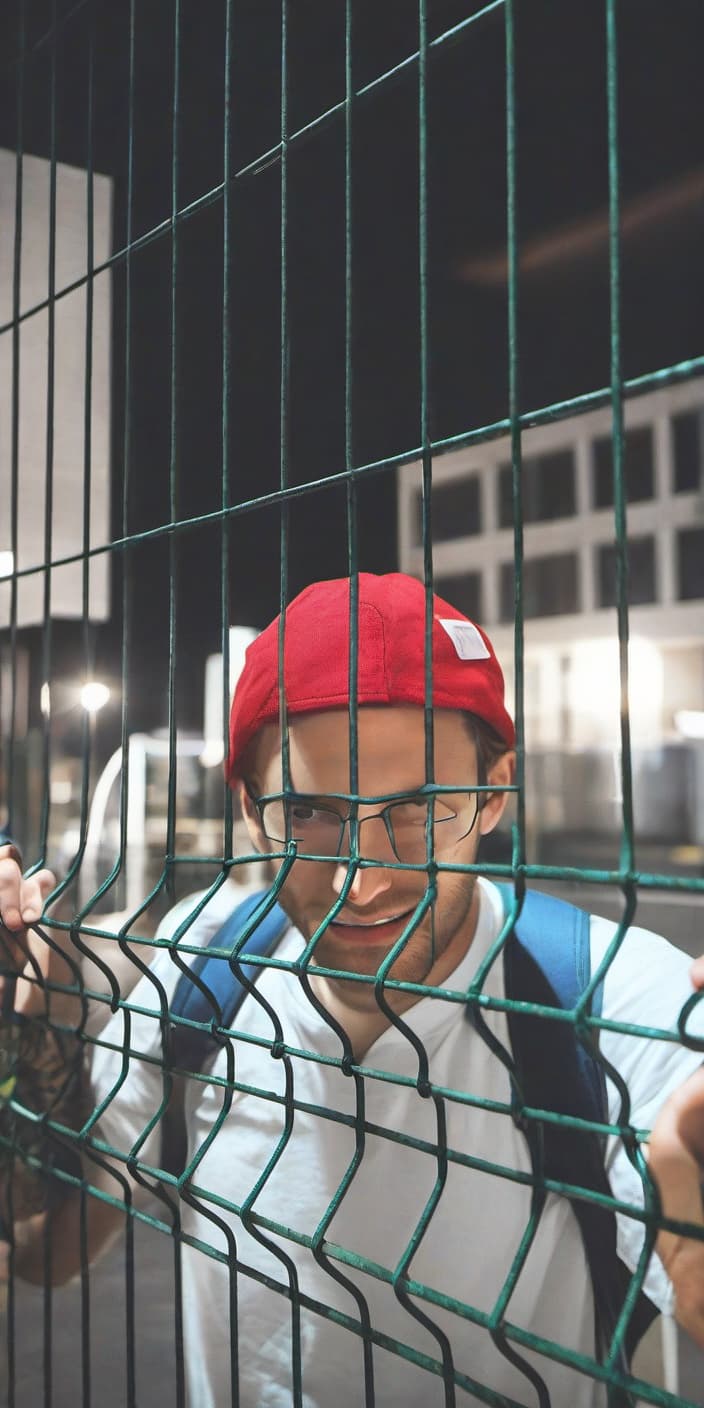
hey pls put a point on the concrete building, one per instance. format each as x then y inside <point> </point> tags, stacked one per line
<point>572,683</point>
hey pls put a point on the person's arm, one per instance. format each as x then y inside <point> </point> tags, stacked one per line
<point>41,1048</point>
<point>676,1159</point>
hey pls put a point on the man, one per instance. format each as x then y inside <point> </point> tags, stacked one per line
<point>357,1197</point>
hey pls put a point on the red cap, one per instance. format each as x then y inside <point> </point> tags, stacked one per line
<point>391,658</point>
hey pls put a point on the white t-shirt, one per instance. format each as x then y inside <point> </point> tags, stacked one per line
<point>303,1160</point>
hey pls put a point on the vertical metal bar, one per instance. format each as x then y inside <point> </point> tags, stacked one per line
<point>227,204</point>
<point>538,1198</point>
<point>15,429</point>
<point>10,1322</point>
<point>283,396</point>
<point>627,856</point>
<point>126,595</point>
<point>88,719</point>
<point>49,457</point>
<point>426,454</point>
<point>85,1300</point>
<point>353,573</point>
<point>47,631</point>
<point>47,1281</point>
<point>424,376</point>
<point>173,563</point>
<point>427,469</point>
<point>352,496</point>
<point>296,1366</point>
<point>228,196</point>
<point>173,440</point>
<point>284,372</point>
<point>88,639</point>
<point>519,848</point>
<point>617,421</point>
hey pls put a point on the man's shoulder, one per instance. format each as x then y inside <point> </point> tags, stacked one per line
<point>631,954</point>
<point>198,916</point>
<point>632,945</point>
<point>187,927</point>
<point>646,981</point>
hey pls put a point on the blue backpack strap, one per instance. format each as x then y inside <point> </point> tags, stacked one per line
<point>547,960</point>
<point>220,991</point>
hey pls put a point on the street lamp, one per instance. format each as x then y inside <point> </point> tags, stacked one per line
<point>94,695</point>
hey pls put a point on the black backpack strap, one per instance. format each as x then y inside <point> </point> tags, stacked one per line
<point>547,961</point>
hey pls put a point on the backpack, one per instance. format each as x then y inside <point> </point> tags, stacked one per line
<point>547,961</point>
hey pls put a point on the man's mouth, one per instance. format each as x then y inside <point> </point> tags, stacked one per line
<point>387,926</point>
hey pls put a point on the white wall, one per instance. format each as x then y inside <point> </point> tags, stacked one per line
<point>67,465</point>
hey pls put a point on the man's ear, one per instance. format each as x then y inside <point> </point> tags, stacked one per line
<point>500,774</point>
<point>250,817</point>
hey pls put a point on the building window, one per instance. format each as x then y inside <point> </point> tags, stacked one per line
<point>463,590</point>
<point>456,510</point>
<point>550,586</point>
<point>547,488</point>
<point>641,572</point>
<point>687,451</point>
<point>638,447</point>
<point>690,558</point>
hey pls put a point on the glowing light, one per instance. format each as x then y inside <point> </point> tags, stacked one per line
<point>595,691</point>
<point>94,695</point>
<point>7,564</point>
<point>690,723</point>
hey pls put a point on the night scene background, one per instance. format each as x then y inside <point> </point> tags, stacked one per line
<point>167,456</point>
<point>173,467</point>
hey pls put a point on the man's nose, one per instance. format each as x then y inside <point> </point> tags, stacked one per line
<point>367,882</point>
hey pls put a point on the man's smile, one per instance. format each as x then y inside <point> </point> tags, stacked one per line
<point>381,929</point>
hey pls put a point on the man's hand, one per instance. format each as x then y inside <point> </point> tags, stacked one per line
<point>676,1159</point>
<point>22,902</point>
<point>49,1077</point>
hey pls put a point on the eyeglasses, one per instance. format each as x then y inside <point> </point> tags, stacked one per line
<point>318,824</point>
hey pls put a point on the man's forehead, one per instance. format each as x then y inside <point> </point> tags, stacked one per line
<point>392,737</point>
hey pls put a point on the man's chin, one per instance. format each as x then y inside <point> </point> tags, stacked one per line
<point>346,953</point>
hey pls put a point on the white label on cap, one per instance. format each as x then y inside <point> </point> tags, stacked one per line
<point>466,639</point>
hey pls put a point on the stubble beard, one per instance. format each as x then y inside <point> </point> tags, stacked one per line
<point>446,930</point>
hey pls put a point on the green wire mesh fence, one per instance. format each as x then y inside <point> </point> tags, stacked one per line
<point>93,86</point>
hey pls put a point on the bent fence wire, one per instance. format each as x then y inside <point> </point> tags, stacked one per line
<point>202,1222</point>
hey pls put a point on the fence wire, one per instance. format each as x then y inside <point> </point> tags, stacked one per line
<point>202,1221</point>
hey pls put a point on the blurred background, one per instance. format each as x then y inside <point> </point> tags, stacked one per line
<point>193,356</point>
<point>142,410</point>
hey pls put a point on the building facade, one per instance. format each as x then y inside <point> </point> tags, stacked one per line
<point>572,682</point>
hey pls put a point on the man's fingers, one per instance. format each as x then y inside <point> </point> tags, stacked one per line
<point>34,892</point>
<point>10,890</point>
<point>22,900</point>
<point>696,972</point>
<point>679,1128</point>
<point>676,1158</point>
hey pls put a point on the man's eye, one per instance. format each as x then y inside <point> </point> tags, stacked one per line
<point>305,814</point>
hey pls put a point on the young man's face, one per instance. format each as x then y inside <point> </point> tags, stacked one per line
<point>381,899</point>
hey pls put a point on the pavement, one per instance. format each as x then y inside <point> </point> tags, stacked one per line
<point>106,1387</point>
<point>104,1383</point>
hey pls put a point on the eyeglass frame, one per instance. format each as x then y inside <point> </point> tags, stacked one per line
<point>481,792</point>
